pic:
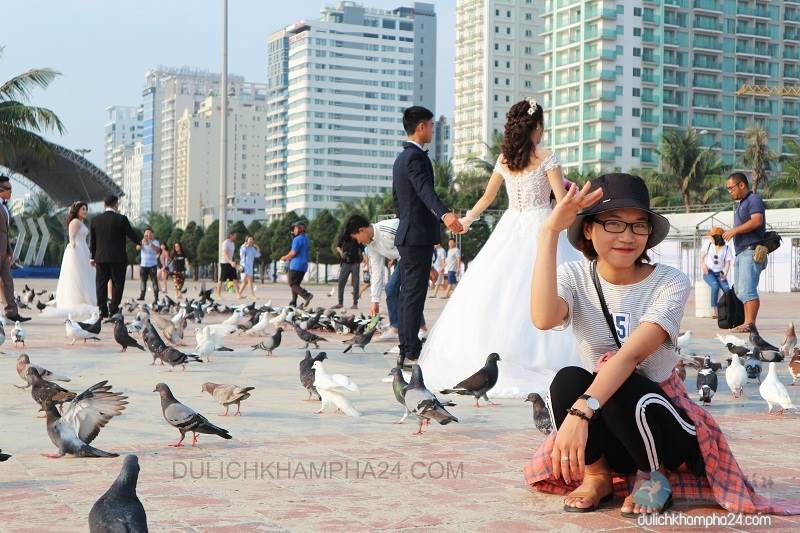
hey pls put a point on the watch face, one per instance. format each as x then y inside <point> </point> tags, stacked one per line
<point>593,404</point>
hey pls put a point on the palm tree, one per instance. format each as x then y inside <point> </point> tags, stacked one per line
<point>443,174</point>
<point>788,184</point>
<point>494,149</point>
<point>20,123</point>
<point>691,169</point>
<point>758,155</point>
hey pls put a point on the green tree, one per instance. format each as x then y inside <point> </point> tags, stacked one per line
<point>323,232</point>
<point>282,233</point>
<point>474,239</point>
<point>175,236</point>
<point>162,225</point>
<point>253,228</point>
<point>241,233</point>
<point>190,239</point>
<point>263,237</point>
<point>494,149</point>
<point>758,156</point>
<point>788,184</point>
<point>21,124</point>
<point>208,247</point>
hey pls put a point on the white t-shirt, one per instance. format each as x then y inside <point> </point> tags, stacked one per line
<point>438,263</point>
<point>722,256</point>
<point>453,254</point>
<point>659,298</point>
<point>227,247</point>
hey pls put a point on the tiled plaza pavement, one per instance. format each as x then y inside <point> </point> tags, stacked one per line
<point>288,469</point>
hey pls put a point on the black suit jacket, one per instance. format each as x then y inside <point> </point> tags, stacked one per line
<point>419,209</point>
<point>107,242</point>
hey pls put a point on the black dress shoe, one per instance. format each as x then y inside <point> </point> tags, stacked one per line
<point>17,318</point>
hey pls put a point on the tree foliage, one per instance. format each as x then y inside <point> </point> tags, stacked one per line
<point>758,156</point>
<point>323,233</point>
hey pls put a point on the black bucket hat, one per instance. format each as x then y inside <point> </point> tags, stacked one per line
<point>620,191</point>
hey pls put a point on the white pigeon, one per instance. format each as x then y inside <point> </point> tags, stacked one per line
<point>178,317</point>
<point>736,376</point>
<point>92,318</point>
<point>685,341</point>
<point>75,332</point>
<point>235,317</point>
<point>280,317</point>
<point>774,392</point>
<point>334,389</point>
<point>260,327</point>
<point>205,348</point>
<point>207,333</point>
<point>733,339</point>
<point>18,334</point>
<point>220,331</point>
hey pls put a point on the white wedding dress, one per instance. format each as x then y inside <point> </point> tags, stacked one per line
<point>489,311</point>
<point>75,293</point>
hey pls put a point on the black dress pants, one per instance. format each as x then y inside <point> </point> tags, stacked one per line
<point>639,428</point>
<point>116,273</point>
<point>416,266</point>
<point>346,270</point>
<point>295,278</point>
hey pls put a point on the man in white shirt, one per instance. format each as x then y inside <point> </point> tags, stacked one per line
<point>452,266</point>
<point>379,241</point>
<point>227,266</point>
<point>438,264</point>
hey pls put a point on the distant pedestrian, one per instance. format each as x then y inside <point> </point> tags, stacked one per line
<point>227,266</point>
<point>749,227</point>
<point>178,265</point>
<point>715,261</point>
<point>366,277</point>
<point>148,265</point>
<point>452,265</point>
<point>351,256</point>
<point>163,264</point>
<point>439,256</point>
<point>248,253</point>
<point>298,263</point>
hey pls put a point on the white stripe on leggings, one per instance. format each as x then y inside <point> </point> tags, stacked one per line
<point>644,429</point>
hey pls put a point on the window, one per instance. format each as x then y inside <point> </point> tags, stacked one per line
<point>635,152</point>
<point>527,86</point>
<point>618,150</point>
<point>618,111</point>
<point>508,31</point>
<point>618,130</point>
<point>620,9</point>
<point>635,132</point>
<point>637,32</point>
<point>389,24</point>
<point>508,64</point>
<point>409,26</point>
<point>637,72</point>
<point>637,11</point>
<point>637,52</point>
<point>496,63</point>
<point>619,69</point>
<point>495,81</point>
<point>496,46</point>
<point>508,81</point>
<point>495,114</point>
<point>528,50</point>
<point>636,112</point>
<point>496,12</point>
<point>495,98</point>
<point>508,14</point>
<point>620,50</point>
<point>618,90</point>
<point>508,98</point>
<point>637,91</point>
<point>508,48</point>
<point>528,16</point>
<point>497,29</point>
<point>528,33</point>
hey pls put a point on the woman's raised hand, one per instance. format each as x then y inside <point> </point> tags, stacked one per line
<point>566,210</point>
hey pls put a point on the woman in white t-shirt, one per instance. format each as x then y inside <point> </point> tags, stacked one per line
<point>631,420</point>
<point>715,260</point>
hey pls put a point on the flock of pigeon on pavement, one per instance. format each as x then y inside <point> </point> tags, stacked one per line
<point>74,420</point>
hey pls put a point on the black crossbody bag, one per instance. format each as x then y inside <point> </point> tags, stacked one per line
<point>609,321</point>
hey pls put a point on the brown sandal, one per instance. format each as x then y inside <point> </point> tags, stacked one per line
<point>744,328</point>
<point>591,496</point>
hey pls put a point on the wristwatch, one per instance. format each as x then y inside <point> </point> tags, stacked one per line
<point>591,402</point>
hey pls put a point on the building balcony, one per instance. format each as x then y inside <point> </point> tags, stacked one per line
<point>791,110</point>
<point>791,54</point>
<point>594,33</point>
<point>701,63</point>
<point>745,30</point>
<point>606,116</point>
<point>651,18</point>
<point>649,118</point>
<point>594,12</point>
<point>759,11</point>
<point>712,6</point>
<point>791,34</point>
<point>651,79</point>
<point>704,25</point>
<point>791,72</point>
<point>790,129</point>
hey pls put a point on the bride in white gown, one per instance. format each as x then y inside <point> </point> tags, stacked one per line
<point>490,309</point>
<point>75,292</point>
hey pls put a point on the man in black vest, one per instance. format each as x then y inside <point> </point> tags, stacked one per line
<point>107,246</point>
<point>420,212</point>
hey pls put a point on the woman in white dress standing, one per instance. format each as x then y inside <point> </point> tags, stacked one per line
<point>489,311</point>
<point>75,292</point>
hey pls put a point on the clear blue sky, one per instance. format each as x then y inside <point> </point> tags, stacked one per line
<point>103,48</point>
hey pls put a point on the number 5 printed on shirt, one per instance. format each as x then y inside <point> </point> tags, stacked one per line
<point>622,321</point>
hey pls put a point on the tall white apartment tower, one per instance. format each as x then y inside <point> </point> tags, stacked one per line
<point>121,129</point>
<point>348,77</point>
<point>498,45</point>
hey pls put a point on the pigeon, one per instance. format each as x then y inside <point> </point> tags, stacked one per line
<point>260,327</point>
<point>398,387</point>
<point>184,418</point>
<point>680,369</point>
<point>789,341</point>
<point>541,415</point>
<point>24,362</point>
<point>333,390</point>
<point>90,411</point>
<point>684,341</point>
<point>752,366</point>
<point>174,357</point>
<point>93,324</point>
<point>360,340</point>
<point>43,391</point>
<point>758,342</point>
<point>706,381</point>
<point>2,334</point>
<point>741,351</point>
<point>794,366</point>
<point>40,306</point>
<point>18,334</point>
<point>736,376</point>
<point>307,336</point>
<point>423,403</point>
<point>774,392</point>
<point>278,319</point>
<point>121,334</point>
<point>119,509</point>
<point>733,339</point>
<point>227,395</point>
<point>4,456</point>
<point>75,332</point>
<point>270,344</point>
<point>307,374</point>
<point>479,383</point>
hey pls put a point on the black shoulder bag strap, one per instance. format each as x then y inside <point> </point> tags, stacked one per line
<point>596,281</point>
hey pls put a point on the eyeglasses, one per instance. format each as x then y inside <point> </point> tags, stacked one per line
<point>618,226</point>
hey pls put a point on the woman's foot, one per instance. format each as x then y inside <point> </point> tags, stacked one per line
<point>744,328</point>
<point>653,487</point>
<point>595,489</point>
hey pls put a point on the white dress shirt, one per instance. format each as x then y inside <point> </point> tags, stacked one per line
<point>382,247</point>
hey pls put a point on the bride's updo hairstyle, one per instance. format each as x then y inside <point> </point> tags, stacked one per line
<point>521,120</point>
<point>74,209</point>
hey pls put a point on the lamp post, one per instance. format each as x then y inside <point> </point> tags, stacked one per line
<point>223,142</point>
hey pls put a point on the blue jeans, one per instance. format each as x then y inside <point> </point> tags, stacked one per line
<point>716,282</point>
<point>747,275</point>
<point>393,297</point>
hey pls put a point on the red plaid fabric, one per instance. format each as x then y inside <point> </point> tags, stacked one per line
<point>723,483</point>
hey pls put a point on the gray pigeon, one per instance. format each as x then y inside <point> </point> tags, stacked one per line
<point>155,344</point>
<point>758,342</point>
<point>360,340</point>
<point>119,509</point>
<point>184,418</point>
<point>741,351</point>
<point>307,336</point>
<point>479,383</point>
<point>307,374</point>
<point>121,334</point>
<point>753,367</point>
<point>4,456</point>
<point>706,381</point>
<point>541,415</point>
<point>174,357</point>
<point>421,402</point>
<point>398,387</point>
<point>270,344</point>
<point>84,417</point>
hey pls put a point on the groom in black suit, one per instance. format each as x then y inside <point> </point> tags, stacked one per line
<point>107,246</point>
<point>420,212</point>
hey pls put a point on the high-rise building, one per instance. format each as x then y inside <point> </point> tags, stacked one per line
<point>121,129</point>
<point>498,60</point>
<point>619,74</point>
<point>133,163</point>
<point>338,87</point>
<point>197,164</point>
<point>441,148</point>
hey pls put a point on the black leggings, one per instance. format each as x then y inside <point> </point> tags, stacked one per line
<point>638,428</point>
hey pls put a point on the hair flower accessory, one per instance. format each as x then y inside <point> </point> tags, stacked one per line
<point>533,105</point>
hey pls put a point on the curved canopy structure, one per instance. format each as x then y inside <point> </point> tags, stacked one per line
<point>64,175</point>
